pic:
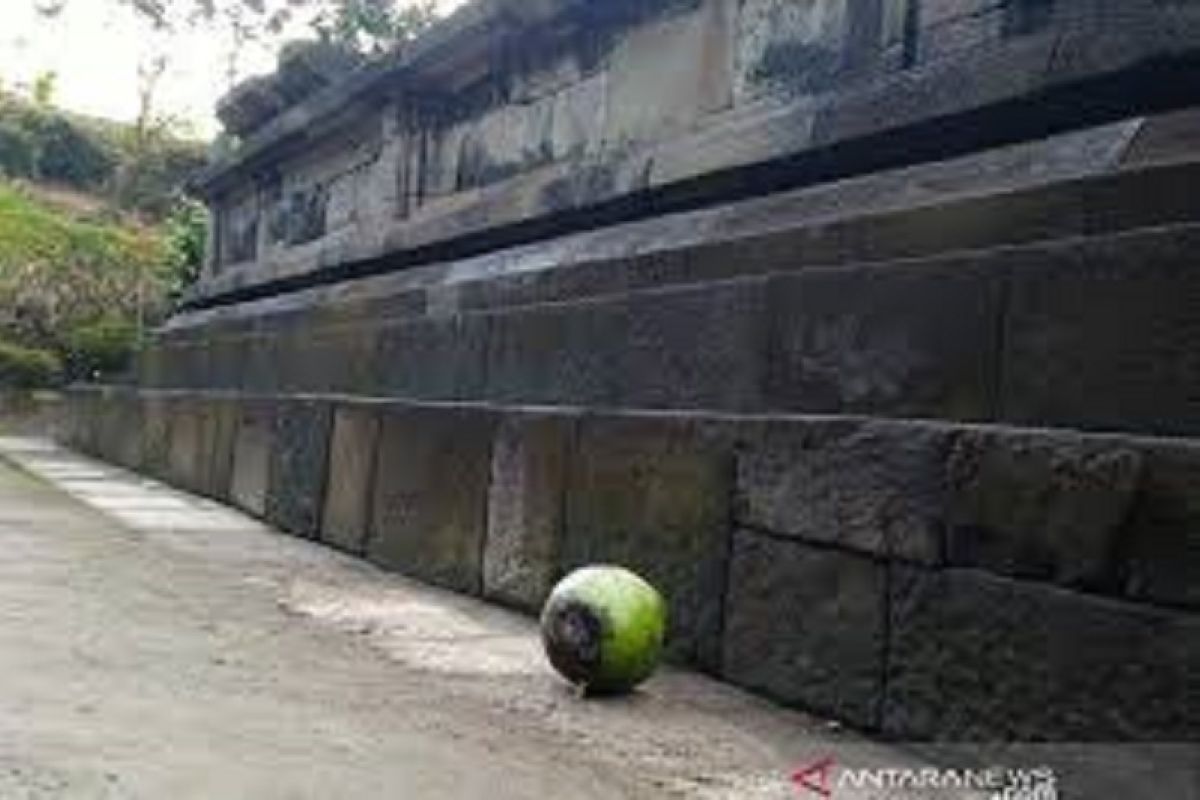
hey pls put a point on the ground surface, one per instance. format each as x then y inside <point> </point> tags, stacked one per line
<point>155,645</point>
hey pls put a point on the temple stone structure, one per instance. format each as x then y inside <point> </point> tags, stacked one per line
<point>869,330</point>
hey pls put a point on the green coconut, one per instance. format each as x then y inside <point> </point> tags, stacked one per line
<point>603,629</point>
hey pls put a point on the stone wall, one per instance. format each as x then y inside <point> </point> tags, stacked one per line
<point>983,288</point>
<point>925,580</point>
<point>513,114</point>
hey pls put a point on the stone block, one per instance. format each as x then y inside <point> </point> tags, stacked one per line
<point>429,511</point>
<point>560,353</point>
<point>806,626</point>
<point>220,436</point>
<point>156,434</point>
<point>252,457</point>
<point>876,487</point>
<point>653,494</point>
<point>299,458</point>
<point>577,126</point>
<point>1160,545</point>
<point>525,507</point>
<point>978,657</point>
<point>120,431</point>
<point>1044,506</point>
<point>668,73</point>
<point>914,342</point>
<point>185,466</point>
<point>697,348</point>
<point>261,371</point>
<point>351,474</point>
<point>1106,336</point>
<point>433,359</point>
<point>789,46</point>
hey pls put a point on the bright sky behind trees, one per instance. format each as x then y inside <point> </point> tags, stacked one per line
<point>97,46</point>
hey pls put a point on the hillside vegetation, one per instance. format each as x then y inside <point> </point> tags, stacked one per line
<point>95,244</point>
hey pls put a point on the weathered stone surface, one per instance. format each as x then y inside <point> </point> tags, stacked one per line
<point>185,467</point>
<point>790,46</point>
<point>429,512</point>
<point>1039,505</point>
<point>156,434</point>
<point>299,458</point>
<point>893,341</point>
<point>977,657</point>
<point>806,626</point>
<point>872,486</point>
<point>1138,374</point>
<point>568,353</point>
<point>347,511</point>
<point>433,359</point>
<point>252,457</point>
<point>652,494</point>
<point>120,428</point>
<point>697,348</point>
<point>525,507</point>
<point>1160,546</point>
<point>220,435</point>
<point>669,73</point>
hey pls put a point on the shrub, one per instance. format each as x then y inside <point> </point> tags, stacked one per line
<point>18,151</point>
<point>72,156</point>
<point>100,347</point>
<point>27,368</point>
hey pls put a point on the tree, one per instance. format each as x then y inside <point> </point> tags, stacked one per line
<point>374,27</point>
<point>44,86</point>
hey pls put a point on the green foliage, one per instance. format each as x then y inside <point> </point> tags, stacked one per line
<point>375,26</point>
<point>67,153</point>
<point>18,151</point>
<point>100,347</point>
<point>137,170</point>
<point>77,286</point>
<point>44,88</point>
<point>186,232</point>
<point>27,367</point>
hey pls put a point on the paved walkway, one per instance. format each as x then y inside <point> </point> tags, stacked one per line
<point>156,645</point>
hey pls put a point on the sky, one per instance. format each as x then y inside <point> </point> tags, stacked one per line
<point>95,48</point>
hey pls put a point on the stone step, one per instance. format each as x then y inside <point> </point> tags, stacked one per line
<point>928,580</point>
<point>1093,182</point>
<point>1098,332</point>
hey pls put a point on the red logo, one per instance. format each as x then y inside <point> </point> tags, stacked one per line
<point>815,777</point>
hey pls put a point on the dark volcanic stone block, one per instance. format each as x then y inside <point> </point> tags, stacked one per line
<point>872,486</point>
<point>261,371</point>
<point>525,507</point>
<point>220,437</point>
<point>347,512</point>
<point>975,657</point>
<point>1160,548</point>
<point>433,359</point>
<point>429,513</point>
<point>697,348</point>
<point>1107,336</point>
<point>299,457</point>
<point>156,435</point>
<point>185,462</point>
<point>562,353</point>
<point>121,428</point>
<point>652,494</point>
<point>1039,505</point>
<point>806,626</point>
<point>252,457</point>
<point>917,341</point>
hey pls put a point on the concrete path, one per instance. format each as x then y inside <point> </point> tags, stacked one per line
<point>156,645</point>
